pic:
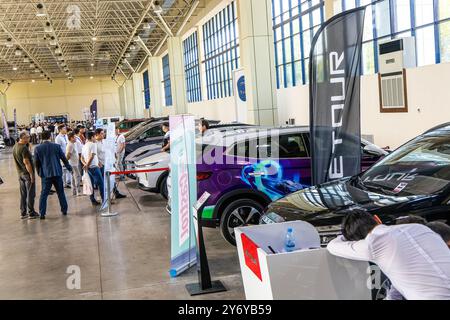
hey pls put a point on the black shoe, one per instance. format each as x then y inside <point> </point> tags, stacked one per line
<point>64,213</point>
<point>42,217</point>
<point>24,216</point>
<point>34,216</point>
<point>120,196</point>
<point>95,203</point>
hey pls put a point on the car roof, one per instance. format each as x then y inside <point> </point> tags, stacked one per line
<point>442,128</point>
<point>232,135</point>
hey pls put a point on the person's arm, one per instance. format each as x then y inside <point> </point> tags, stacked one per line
<point>91,157</point>
<point>166,147</point>
<point>121,147</point>
<point>354,250</point>
<point>68,151</point>
<point>37,162</point>
<point>27,163</point>
<point>63,158</point>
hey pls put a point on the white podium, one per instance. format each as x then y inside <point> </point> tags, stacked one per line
<point>307,274</point>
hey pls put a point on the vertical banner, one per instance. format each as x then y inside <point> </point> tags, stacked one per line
<point>183,193</point>
<point>5,126</point>
<point>110,157</point>
<point>94,111</point>
<point>240,95</point>
<point>335,97</point>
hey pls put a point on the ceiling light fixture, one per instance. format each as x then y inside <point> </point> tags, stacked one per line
<point>94,38</point>
<point>9,43</point>
<point>31,65</point>
<point>53,41</point>
<point>26,59</point>
<point>132,47</point>
<point>33,81</point>
<point>48,27</point>
<point>15,68</point>
<point>18,52</point>
<point>157,8</point>
<point>58,50</point>
<point>91,77</point>
<point>92,64</point>
<point>41,10</point>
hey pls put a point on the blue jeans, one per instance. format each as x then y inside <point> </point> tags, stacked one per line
<point>97,179</point>
<point>47,184</point>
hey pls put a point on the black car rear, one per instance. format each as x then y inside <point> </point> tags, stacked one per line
<point>415,179</point>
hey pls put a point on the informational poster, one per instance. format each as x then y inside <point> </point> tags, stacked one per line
<point>110,157</point>
<point>183,193</point>
<point>240,95</point>
<point>335,97</point>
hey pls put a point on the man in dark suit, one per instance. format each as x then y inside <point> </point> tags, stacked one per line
<point>48,157</point>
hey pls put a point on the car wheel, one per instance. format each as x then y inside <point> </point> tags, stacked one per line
<point>163,188</point>
<point>239,213</point>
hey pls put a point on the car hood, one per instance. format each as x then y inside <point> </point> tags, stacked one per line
<point>162,158</point>
<point>140,152</point>
<point>326,203</point>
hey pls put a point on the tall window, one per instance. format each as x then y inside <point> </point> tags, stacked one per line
<point>426,20</point>
<point>166,80</point>
<point>192,68</point>
<point>146,89</point>
<point>294,24</point>
<point>221,45</point>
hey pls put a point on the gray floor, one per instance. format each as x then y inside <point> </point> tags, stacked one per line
<point>125,257</point>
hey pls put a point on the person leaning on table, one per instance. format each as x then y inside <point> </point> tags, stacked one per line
<point>414,258</point>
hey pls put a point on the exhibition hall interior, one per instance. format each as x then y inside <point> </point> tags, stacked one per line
<point>225,150</point>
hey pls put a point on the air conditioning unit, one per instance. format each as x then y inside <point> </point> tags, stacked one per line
<point>395,56</point>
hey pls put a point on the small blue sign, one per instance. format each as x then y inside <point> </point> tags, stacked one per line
<point>241,89</point>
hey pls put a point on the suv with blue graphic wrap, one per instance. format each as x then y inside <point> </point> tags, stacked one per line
<point>246,169</point>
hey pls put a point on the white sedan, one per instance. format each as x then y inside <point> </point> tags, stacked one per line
<point>154,181</point>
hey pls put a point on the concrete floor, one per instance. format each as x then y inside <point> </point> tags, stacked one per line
<point>125,257</point>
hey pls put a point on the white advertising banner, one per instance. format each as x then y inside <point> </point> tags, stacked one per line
<point>240,95</point>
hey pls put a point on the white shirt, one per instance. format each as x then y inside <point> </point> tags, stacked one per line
<point>101,152</point>
<point>73,152</point>
<point>39,130</point>
<point>78,145</point>
<point>120,139</point>
<point>33,130</point>
<point>88,149</point>
<point>62,141</point>
<point>412,256</point>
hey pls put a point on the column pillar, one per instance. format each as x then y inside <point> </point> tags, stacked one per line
<point>258,60</point>
<point>129,98</point>
<point>155,78</point>
<point>177,77</point>
<point>139,106</point>
<point>329,9</point>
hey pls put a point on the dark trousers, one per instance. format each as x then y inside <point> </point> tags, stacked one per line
<point>97,180</point>
<point>47,184</point>
<point>27,194</point>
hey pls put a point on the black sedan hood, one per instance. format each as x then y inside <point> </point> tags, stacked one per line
<point>325,204</point>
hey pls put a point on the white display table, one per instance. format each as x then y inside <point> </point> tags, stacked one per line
<point>299,275</point>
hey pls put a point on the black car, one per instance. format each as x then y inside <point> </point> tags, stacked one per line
<point>413,180</point>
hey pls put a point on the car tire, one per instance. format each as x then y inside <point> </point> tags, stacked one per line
<point>163,188</point>
<point>239,208</point>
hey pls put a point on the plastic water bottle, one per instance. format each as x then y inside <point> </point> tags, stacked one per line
<point>289,243</point>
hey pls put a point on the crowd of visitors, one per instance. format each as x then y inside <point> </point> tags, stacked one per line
<point>60,154</point>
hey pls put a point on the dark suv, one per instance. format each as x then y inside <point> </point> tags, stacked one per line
<point>414,179</point>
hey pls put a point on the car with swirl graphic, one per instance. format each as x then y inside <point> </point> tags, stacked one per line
<point>244,170</point>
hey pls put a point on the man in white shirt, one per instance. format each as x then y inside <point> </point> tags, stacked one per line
<point>73,156</point>
<point>39,131</point>
<point>33,134</point>
<point>120,151</point>
<point>61,140</point>
<point>90,161</point>
<point>414,258</point>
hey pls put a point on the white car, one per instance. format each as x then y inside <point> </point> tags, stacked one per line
<point>154,181</point>
<point>2,143</point>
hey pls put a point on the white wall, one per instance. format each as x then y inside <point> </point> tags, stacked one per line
<point>62,97</point>
<point>428,90</point>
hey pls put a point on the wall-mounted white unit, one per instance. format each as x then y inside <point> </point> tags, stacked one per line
<point>394,57</point>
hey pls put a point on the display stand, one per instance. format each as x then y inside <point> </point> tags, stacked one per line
<point>307,273</point>
<point>204,285</point>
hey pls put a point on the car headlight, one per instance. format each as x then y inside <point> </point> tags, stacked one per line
<point>328,233</point>
<point>271,218</point>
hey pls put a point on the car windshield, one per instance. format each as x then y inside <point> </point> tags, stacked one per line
<point>421,167</point>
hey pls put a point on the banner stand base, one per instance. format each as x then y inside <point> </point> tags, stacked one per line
<point>109,214</point>
<point>195,289</point>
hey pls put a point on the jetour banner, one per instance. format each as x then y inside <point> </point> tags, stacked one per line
<point>335,97</point>
<point>183,193</point>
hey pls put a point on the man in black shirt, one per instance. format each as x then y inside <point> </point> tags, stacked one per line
<point>24,165</point>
